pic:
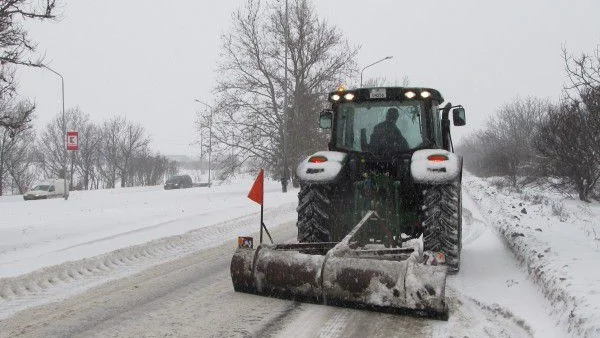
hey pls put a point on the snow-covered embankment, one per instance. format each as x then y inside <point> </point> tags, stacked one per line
<point>557,239</point>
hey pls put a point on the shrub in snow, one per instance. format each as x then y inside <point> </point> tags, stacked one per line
<point>558,209</point>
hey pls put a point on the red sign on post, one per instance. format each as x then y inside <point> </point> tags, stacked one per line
<point>72,140</point>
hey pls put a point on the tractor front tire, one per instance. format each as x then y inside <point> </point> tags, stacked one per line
<point>442,222</point>
<point>315,213</point>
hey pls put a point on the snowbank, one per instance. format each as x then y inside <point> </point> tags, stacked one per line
<point>557,239</point>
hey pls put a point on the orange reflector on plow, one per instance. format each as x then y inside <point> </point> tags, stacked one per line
<point>245,242</point>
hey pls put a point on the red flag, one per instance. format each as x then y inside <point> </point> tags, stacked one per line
<point>257,192</point>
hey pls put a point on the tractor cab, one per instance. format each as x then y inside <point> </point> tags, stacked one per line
<point>390,176</point>
<point>389,121</point>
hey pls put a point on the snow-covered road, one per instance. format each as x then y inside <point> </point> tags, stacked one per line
<point>189,294</point>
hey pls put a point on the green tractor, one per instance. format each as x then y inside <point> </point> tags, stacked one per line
<point>389,176</point>
<point>390,151</point>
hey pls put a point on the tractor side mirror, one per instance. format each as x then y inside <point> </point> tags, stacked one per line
<point>326,118</point>
<point>458,116</point>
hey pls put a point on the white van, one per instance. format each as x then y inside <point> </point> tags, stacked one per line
<point>48,189</point>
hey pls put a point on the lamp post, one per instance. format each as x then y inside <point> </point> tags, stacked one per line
<point>64,125</point>
<point>209,134</point>
<point>372,64</point>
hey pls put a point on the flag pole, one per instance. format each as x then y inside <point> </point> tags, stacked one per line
<point>261,224</point>
<point>257,195</point>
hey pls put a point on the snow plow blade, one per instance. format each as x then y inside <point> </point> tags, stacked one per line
<point>385,279</point>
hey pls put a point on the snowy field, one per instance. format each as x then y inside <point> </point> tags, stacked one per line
<point>528,267</point>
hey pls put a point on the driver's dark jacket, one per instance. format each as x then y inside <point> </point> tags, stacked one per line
<point>387,137</point>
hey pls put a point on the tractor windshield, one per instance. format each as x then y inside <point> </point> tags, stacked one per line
<point>379,126</point>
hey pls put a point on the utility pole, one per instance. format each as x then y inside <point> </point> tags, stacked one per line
<point>64,127</point>
<point>284,174</point>
<point>210,118</point>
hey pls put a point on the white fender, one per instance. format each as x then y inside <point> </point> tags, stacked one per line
<point>325,171</point>
<point>434,172</point>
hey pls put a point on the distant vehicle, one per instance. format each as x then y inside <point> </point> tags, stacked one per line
<point>179,182</point>
<point>48,189</point>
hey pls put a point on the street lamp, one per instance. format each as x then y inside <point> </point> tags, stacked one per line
<point>64,125</point>
<point>209,134</point>
<point>374,63</point>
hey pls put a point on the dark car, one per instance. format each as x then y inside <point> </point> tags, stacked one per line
<point>179,182</point>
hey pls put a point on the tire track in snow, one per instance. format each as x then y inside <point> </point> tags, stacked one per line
<point>470,317</point>
<point>336,324</point>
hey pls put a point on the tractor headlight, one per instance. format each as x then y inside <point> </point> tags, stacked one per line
<point>410,94</point>
<point>335,97</point>
<point>349,96</point>
<point>425,94</point>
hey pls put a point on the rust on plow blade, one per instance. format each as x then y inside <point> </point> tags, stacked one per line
<point>388,280</point>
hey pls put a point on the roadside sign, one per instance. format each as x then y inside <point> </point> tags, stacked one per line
<point>72,140</point>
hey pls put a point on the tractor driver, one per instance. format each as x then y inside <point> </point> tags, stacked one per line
<point>386,136</point>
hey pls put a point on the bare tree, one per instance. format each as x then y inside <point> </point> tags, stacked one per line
<point>567,141</point>
<point>134,142</point>
<point>20,161</point>
<point>480,154</point>
<point>505,147</point>
<point>10,118</point>
<point>583,73</point>
<point>16,47</point>
<point>573,150</point>
<point>15,44</point>
<point>514,127</point>
<point>150,169</point>
<point>14,149</point>
<point>108,162</point>
<point>51,146</point>
<point>251,115</point>
<point>121,142</point>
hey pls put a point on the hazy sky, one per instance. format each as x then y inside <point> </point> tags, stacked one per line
<point>148,60</point>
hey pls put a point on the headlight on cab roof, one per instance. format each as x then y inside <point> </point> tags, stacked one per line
<point>410,94</point>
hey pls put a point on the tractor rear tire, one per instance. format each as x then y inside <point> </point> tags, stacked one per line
<point>442,222</point>
<point>315,213</point>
